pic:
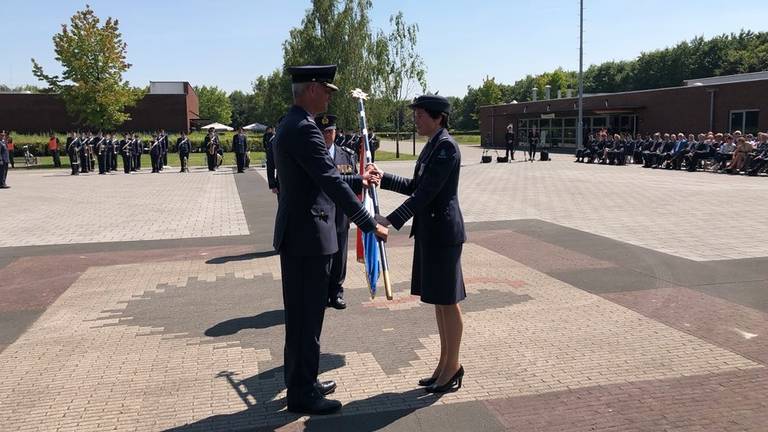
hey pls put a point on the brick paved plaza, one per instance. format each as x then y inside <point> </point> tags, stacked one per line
<point>600,298</point>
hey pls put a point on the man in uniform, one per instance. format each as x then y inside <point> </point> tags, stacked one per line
<point>156,153</point>
<point>73,150</point>
<point>100,147</point>
<point>211,148</point>
<point>240,147</point>
<point>137,148</point>
<point>164,149</point>
<point>83,152</point>
<point>345,164</point>
<point>109,150</point>
<point>185,148</point>
<point>272,182</point>
<point>92,163</point>
<point>9,147</point>
<point>5,161</point>
<point>124,148</point>
<point>509,139</point>
<point>305,233</point>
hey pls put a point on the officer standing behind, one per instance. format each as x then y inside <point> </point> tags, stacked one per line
<point>269,138</point>
<point>5,160</point>
<point>345,164</point>
<point>240,147</point>
<point>185,148</point>
<point>305,233</point>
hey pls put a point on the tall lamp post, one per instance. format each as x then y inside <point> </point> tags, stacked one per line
<point>580,132</point>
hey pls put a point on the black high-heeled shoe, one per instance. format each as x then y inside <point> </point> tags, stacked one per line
<point>426,382</point>
<point>453,384</point>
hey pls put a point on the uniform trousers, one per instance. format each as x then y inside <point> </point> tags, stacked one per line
<point>184,158</point>
<point>510,150</point>
<point>102,162</point>
<point>155,159</point>
<point>83,163</point>
<point>3,173</point>
<point>305,293</point>
<point>240,158</point>
<point>339,266</point>
<point>211,158</point>
<point>126,164</point>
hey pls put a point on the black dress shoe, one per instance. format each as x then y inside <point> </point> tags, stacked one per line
<point>337,303</point>
<point>453,384</point>
<point>325,387</point>
<point>317,405</point>
<point>426,382</point>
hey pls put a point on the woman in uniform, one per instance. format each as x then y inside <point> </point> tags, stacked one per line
<point>438,229</point>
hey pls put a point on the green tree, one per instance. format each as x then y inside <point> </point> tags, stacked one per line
<point>93,58</point>
<point>271,97</point>
<point>403,69</point>
<point>243,108</point>
<point>214,104</point>
<point>337,32</point>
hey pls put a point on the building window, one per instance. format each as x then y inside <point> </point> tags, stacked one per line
<point>744,120</point>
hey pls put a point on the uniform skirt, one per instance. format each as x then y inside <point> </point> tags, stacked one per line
<point>436,275</point>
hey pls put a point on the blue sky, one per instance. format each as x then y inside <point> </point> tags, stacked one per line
<point>230,42</point>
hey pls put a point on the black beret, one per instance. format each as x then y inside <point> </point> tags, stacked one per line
<point>324,121</point>
<point>322,74</point>
<point>432,103</point>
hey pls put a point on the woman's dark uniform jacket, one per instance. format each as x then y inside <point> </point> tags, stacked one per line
<point>438,225</point>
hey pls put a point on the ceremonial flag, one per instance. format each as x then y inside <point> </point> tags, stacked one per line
<point>374,250</point>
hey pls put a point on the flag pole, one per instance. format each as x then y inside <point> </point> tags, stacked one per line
<point>360,96</point>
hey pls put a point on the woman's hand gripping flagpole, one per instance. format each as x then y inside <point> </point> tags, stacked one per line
<point>375,251</point>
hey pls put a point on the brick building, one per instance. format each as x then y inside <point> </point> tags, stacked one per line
<point>718,104</point>
<point>172,106</point>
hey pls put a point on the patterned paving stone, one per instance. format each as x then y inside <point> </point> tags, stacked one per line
<point>50,207</point>
<point>103,355</point>
<point>732,401</point>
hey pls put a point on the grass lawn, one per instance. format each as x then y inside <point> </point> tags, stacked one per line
<point>195,159</point>
<point>467,139</point>
<point>382,156</point>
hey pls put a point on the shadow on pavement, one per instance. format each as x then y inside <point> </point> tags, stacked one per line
<point>261,321</point>
<point>243,257</point>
